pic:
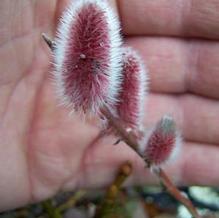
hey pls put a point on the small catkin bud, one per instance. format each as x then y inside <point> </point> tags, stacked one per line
<point>131,99</point>
<point>160,144</point>
<point>87,56</point>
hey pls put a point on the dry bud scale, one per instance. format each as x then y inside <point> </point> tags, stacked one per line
<point>87,56</point>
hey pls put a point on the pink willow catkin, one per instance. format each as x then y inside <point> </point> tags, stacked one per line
<point>161,143</point>
<point>93,70</point>
<point>87,56</point>
<point>131,99</point>
<point>88,61</point>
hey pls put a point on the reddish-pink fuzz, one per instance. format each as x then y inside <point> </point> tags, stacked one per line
<point>161,142</point>
<point>128,108</point>
<point>86,61</point>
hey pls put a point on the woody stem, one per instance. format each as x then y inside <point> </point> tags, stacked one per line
<point>131,140</point>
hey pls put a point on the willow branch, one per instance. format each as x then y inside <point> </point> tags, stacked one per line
<point>71,202</point>
<point>131,141</point>
<point>172,189</point>
<point>112,192</point>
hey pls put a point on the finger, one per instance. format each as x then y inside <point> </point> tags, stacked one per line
<point>197,117</point>
<point>199,164</point>
<point>193,18</point>
<point>179,66</point>
<point>196,165</point>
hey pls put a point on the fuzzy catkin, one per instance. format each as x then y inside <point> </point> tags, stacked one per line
<point>87,56</point>
<point>161,143</point>
<point>132,95</point>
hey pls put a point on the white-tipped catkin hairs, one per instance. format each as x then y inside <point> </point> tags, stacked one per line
<point>133,92</point>
<point>87,56</point>
<point>160,144</point>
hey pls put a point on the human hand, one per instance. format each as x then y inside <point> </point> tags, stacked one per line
<point>44,150</point>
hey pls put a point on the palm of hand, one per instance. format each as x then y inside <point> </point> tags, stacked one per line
<point>44,150</point>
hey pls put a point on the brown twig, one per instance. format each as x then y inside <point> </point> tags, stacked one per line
<point>172,189</point>
<point>124,172</point>
<point>131,140</point>
<point>128,137</point>
<point>21,213</point>
<point>49,42</point>
<point>70,203</point>
<point>113,190</point>
<point>51,211</point>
